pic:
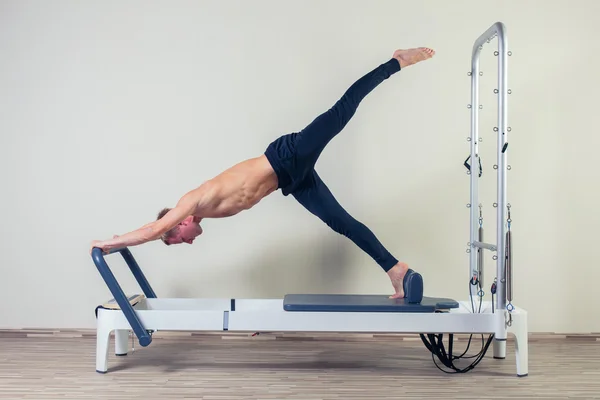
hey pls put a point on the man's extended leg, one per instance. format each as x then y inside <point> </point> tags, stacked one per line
<point>316,197</point>
<point>310,142</point>
<point>294,155</point>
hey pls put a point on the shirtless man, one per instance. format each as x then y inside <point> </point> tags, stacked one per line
<point>287,164</point>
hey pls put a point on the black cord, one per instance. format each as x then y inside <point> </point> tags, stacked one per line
<point>435,344</point>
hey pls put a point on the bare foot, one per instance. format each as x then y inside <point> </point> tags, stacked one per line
<point>413,56</point>
<point>396,274</point>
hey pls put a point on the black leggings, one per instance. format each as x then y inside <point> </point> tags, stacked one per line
<point>293,157</point>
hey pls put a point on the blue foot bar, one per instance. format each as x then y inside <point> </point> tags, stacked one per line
<point>142,334</point>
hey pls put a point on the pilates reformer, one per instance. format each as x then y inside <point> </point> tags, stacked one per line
<point>430,317</point>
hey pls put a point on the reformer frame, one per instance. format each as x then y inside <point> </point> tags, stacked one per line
<point>150,313</point>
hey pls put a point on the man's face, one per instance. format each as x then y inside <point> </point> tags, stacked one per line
<point>188,230</point>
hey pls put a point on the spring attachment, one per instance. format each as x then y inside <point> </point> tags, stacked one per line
<point>509,320</point>
<point>509,269</point>
<point>480,253</point>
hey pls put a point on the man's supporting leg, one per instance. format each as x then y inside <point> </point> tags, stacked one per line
<point>310,142</point>
<point>316,197</point>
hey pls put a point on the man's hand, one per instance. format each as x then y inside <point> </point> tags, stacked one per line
<point>103,245</point>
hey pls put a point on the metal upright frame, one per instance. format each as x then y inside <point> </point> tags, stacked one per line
<point>497,30</point>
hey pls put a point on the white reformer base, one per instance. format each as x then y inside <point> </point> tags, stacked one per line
<point>255,315</point>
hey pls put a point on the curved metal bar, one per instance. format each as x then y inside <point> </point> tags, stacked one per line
<point>144,337</point>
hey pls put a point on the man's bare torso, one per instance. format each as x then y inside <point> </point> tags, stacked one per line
<point>236,189</point>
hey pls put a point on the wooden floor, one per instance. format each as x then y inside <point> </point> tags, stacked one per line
<point>47,365</point>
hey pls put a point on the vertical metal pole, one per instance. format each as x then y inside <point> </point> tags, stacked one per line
<point>502,138</point>
<point>474,177</point>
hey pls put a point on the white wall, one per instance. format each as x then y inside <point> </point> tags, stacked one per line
<point>111,110</point>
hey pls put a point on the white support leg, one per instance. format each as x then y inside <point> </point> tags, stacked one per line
<point>499,347</point>
<point>121,342</point>
<point>519,330</point>
<point>102,341</point>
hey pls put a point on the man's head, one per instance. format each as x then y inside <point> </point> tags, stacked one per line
<point>185,232</point>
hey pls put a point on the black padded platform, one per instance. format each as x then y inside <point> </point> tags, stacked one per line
<point>363,303</point>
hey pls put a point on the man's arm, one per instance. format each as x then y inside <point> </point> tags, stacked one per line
<point>151,231</point>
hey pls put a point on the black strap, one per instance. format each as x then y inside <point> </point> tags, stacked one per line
<point>468,166</point>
